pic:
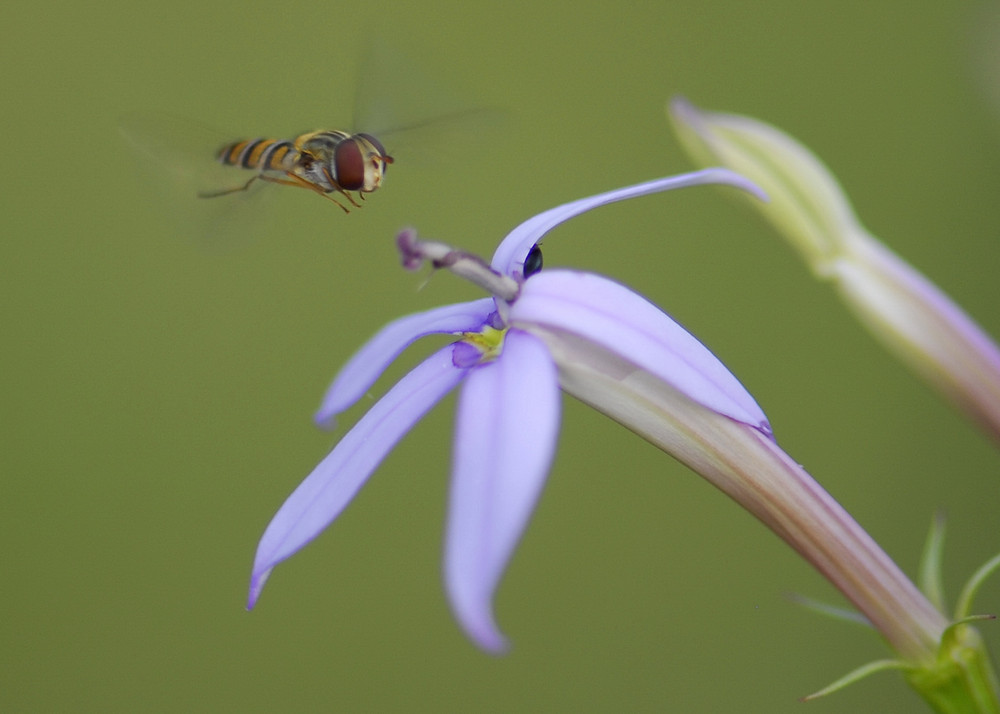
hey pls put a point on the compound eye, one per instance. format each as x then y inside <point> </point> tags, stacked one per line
<point>349,164</point>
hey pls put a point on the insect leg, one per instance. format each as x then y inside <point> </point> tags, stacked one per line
<point>227,191</point>
<point>294,180</point>
<point>329,177</point>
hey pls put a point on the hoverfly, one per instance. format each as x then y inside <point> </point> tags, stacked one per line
<point>329,162</point>
<point>325,161</point>
<point>190,161</point>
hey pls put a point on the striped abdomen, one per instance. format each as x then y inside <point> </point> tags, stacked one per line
<point>260,154</point>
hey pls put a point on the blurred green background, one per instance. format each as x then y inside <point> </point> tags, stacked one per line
<point>157,395</point>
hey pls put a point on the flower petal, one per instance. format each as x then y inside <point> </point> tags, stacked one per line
<point>610,315</point>
<point>507,425</point>
<point>364,368</point>
<point>330,487</point>
<point>510,254</point>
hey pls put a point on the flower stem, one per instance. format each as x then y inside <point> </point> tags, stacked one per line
<point>947,665</point>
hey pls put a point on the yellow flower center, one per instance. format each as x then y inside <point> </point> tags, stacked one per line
<point>489,341</point>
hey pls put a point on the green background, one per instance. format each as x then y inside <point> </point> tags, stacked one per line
<point>157,394</point>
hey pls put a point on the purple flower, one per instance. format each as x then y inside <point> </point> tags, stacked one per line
<point>514,351</point>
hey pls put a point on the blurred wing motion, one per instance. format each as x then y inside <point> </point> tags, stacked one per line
<point>177,159</point>
<point>420,120</point>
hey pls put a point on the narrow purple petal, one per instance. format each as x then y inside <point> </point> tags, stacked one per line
<point>507,425</point>
<point>510,254</point>
<point>364,368</point>
<point>612,316</point>
<point>330,487</point>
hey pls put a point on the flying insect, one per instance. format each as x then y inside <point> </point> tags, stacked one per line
<point>329,162</point>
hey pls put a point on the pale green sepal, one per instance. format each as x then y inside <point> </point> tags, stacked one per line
<point>971,619</point>
<point>929,576</point>
<point>860,673</point>
<point>962,680</point>
<point>964,605</point>
<point>843,614</point>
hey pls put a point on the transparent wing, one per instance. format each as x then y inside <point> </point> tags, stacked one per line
<point>417,117</point>
<point>177,159</point>
<point>441,140</point>
<point>183,150</point>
